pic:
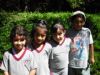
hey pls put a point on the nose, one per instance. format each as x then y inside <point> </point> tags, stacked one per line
<point>79,24</point>
<point>39,38</point>
<point>19,42</point>
<point>58,36</point>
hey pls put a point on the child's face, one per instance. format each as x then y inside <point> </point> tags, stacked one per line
<point>59,35</point>
<point>40,35</point>
<point>19,42</point>
<point>78,23</point>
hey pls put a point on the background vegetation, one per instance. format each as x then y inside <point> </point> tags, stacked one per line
<point>91,6</point>
<point>28,19</point>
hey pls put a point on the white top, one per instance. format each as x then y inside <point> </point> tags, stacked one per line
<point>80,47</point>
<point>18,66</point>
<point>43,59</point>
<point>60,54</point>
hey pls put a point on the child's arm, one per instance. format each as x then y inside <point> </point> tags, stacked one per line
<point>33,72</point>
<point>6,73</point>
<point>4,64</point>
<point>91,48</point>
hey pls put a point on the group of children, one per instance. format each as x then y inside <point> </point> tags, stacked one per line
<point>62,55</point>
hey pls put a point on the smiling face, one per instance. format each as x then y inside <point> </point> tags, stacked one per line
<point>58,35</point>
<point>40,35</point>
<point>19,42</point>
<point>78,23</point>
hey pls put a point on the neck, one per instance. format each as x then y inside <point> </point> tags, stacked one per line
<point>18,51</point>
<point>62,40</point>
<point>36,45</point>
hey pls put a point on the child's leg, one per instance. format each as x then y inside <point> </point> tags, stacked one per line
<point>74,71</point>
<point>71,71</point>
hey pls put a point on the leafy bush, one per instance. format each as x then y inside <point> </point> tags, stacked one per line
<point>95,70</point>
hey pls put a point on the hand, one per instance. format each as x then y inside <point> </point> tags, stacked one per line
<point>92,61</point>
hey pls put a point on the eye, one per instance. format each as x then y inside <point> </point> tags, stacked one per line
<point>15,40</point>
<point>36,34</point>
<point>59,33</point>
<point>22,39</point>
<point>43,35</point>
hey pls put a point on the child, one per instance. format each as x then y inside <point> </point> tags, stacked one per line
<point>60,51</point>
<point>19,60</point>
<point>41,48</point>
<point>81,46</point>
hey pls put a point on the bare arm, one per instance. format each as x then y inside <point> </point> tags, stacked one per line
<point>91,48</point>
<point>6,73</point>
<point>33,72</point>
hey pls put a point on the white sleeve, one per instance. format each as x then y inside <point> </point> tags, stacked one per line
<point>91,38</point>
<point>4,64</point>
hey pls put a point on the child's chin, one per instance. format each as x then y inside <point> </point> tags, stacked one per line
<point>20,48</point>
<point>39,43</point>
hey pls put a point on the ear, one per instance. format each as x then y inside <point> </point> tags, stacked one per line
<point>83,23</point>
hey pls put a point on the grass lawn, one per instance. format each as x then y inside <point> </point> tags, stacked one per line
<point>95,69</point>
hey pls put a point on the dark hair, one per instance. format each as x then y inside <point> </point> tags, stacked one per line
<point>40,23</point>
<point>20,30</point>
<point>56,26</point>
<point>75,16</point>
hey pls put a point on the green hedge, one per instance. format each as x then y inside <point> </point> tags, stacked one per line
<point>27,19</point>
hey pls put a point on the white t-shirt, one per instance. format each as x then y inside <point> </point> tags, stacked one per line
<point>21,65</point>
<point>79,53</point>
<point>42,57</point>
<point>59,58</point>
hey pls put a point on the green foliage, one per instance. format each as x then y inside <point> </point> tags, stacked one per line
<point>95,70</point>
<point>95,29</point>
<point>76,3</point>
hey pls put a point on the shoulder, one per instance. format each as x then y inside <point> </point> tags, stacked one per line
<point>47,47</point>
<point>28,51</point>
<point>9,51</point>
<point>47,44</point>
<point>85,29</point>
<point>6,54</point>
<point>67,40</point>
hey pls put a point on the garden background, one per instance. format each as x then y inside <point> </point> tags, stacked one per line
<point>27,12</point>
